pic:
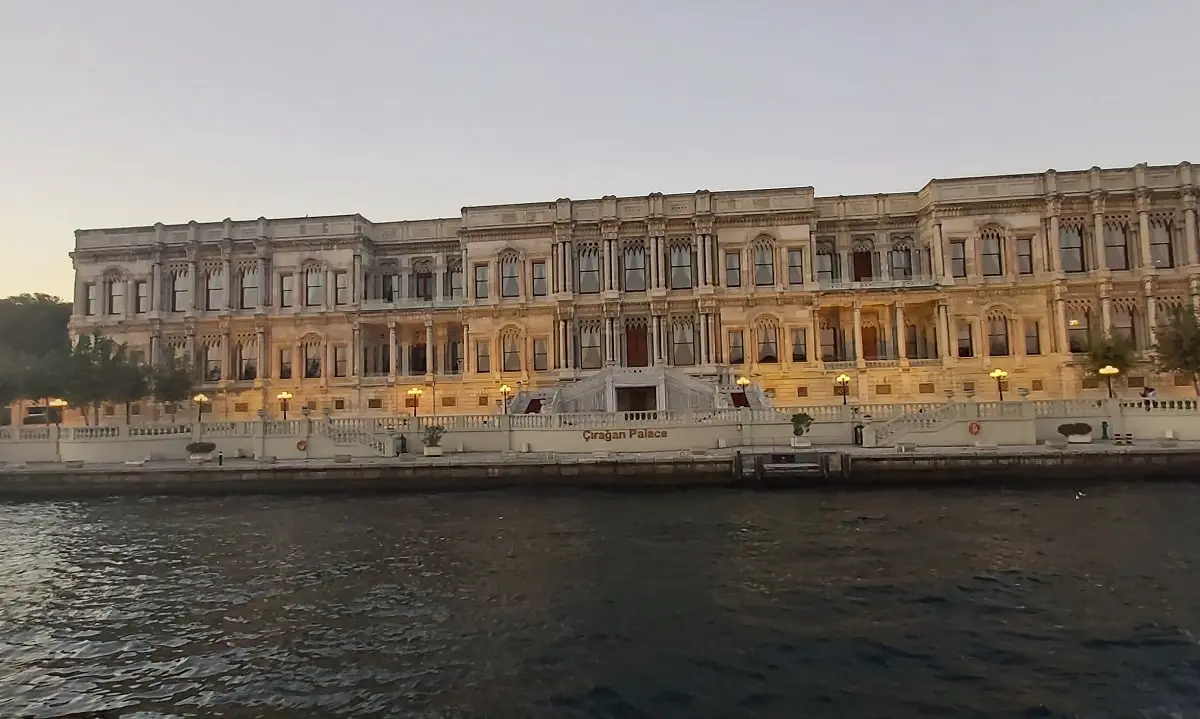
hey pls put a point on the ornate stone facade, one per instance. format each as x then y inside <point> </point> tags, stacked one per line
<point>915,296</point>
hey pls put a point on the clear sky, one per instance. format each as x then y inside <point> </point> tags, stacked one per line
<point>128,112</point>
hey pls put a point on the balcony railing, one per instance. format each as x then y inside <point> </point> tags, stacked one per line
<point>878,283</point>
<point>412,303</point>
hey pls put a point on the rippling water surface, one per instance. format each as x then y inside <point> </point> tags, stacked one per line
<point>726,604</point>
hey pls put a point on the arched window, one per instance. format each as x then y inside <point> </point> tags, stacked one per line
<point>510,348</point>
<point>248,287</point>
<point>590,356</point>
<point>1070,246</point>
<point>1124,321</point>
<point>633,262</point>
<point>681,265</point>
<point>764,264</point>
<point>683,342</point>
<point>997,331</point>
<point>1116,244</point>
<point>767,334</point>
<point>1078,329</point>
<point>1162,253</point>
<point>589,269</point>
<point>991,252</point>
<point>247,358</point>
<point>510,275</point>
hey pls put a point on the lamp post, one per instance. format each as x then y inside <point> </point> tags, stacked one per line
<point>843,381</point>
<point>200,400</point>
<point>999,375</point>
<point>283,398</point>
<point>415,393</point>
<point>743,383</point>
<point>504,392</point>
<point>56,407</point>
<point>1108,372</point>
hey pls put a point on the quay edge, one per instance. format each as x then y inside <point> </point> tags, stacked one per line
<point>841,469</point>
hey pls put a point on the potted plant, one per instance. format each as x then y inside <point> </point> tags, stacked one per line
<point>1076,432</point>
<point>801,423</point>
<point>433,440</point>
<point>200,451</point>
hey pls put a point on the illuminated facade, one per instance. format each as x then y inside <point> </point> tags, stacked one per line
<point>916,296</point>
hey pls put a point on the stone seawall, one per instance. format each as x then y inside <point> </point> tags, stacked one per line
<point>856,469</point>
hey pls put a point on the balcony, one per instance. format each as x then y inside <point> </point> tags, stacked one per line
<point>412,303</point>
<point>878,283</point>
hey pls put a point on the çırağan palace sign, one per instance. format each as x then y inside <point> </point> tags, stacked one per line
<point>611,435</point>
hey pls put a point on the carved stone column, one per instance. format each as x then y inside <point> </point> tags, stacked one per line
<point>430,355</point>
<point>1053,211</point>
<point>1098,230</point>
<point>1143,214</point>
<point>858,343</point>
<point>901,339</point>
<point>393,351</point>
<point>1189,224</point>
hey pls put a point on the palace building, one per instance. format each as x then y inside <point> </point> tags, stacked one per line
<point>661,301</point>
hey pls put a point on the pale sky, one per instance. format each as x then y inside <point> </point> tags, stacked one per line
<point>128,112</point>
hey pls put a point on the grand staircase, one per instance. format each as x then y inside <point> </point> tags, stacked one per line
<point>908,427</point>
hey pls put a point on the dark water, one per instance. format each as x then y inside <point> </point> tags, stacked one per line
<point>954,604</point>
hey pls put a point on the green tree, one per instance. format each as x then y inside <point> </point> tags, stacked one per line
<point>1177,346</point>
<point>1108,350</point>
<point>129,381</point>
<point>172,381</point>
<point>91,368</point>
<point>34,325</point>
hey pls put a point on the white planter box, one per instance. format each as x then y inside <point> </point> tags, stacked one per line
<point>433,451</point>
<point>800,442</point>
<point>1079,439</point>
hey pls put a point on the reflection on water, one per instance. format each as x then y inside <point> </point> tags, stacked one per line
<point>600,605</point>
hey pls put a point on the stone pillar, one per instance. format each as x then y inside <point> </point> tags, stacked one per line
<point>941,331</point>
<point>571,344</point>
<point>1053,208</point>
<point>227,270</point>
<point>356,350</point>
<point>654,358</point>
<point>901,339</point>
<point>702,259</point>
<point>569,264</point>
<point>1060,318</point>
<point>1143,212</point>
<point>813,338</point>
<point>194,276</point>
<point>552,268</point>
<point>1098,231</point>
<point>1189,225</point>
<point>430,355</point>
<point>703,354</point>
<point>264,283</point>
<point>328,289</point>
<point>468,280</point>
<point>264,371</point>
<point>155,291</point>
<point>393,352</point>
<point>1151,315</point>
<point>858,345</point>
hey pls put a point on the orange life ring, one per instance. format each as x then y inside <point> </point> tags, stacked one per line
<point>974,428</point>
<point>302,445</point>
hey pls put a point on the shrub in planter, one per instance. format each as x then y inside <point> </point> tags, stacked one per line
<point>433,435</point>
<point>801,422</point>
<point>1075,429</point>
<point>201,447</point>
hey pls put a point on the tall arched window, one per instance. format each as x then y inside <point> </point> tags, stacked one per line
<point>764,264</point>
<point>1070,246</point>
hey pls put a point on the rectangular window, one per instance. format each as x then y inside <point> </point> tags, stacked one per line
<point>456,282</point>
<point>737,347</point>
<point>965,347</point>
<point>683,345</point>
<point>312,362</point>
<point>510,279</point>
<point>1161,253</point>
<point>541,356</point>
<point>483,356</point>
<point>339,361</point>
<point>249,290</point>
<point>733,269</point>
<point>510,360</point>
<point>1033,342</point>
<point>958,258</point>
<point>287,286</point>
<point>768,345</point>
<point>764,266</point>
<point>1025,255</point>
<point>589,272</point>
<point>312,288</point>
<point>247,364</point>
<point>634,271</point>
<point>589,348</point>
<point>141,294</point>
<point>901,264</point>
<point>795,267</point>
<point>1116,247</point>
<point>825,267</point>
<point>799,344</point>
<point>539,278</point>
<point>991,255</point>
<point>681,267</point>
<point>481,282</point>
<point>214,288</point>
<point>1070,248</point>
<point>89,299</point>
<point>116,297</point>
<point>341,288</point>
<point>179,292</point>
<point>998,337</point>
<point>1077,333</point>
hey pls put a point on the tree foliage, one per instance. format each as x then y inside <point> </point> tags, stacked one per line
<point>34,325</point>
<point>173,381</point>
<point>1111,350</point>
<point>1177,346</point>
